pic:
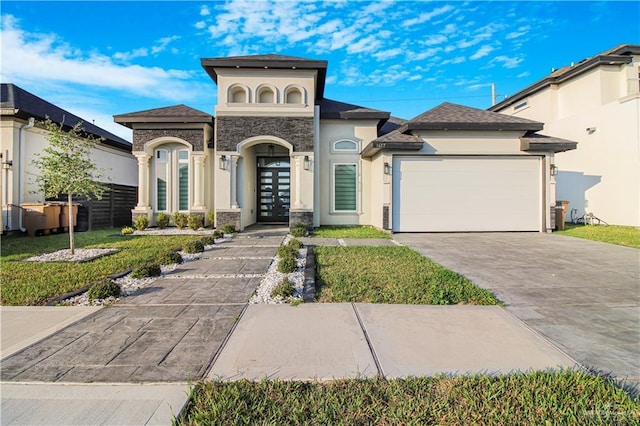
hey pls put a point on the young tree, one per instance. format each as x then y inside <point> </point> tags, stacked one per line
<point>66,168</point>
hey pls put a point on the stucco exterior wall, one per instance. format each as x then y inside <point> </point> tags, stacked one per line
<point>599,109</point>
<point>119,167</point>
<point>362,132</point>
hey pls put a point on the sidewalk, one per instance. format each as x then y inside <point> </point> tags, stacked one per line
<point>133,363</point>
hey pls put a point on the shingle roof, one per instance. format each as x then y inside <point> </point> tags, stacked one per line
<point>394,140</point>
<point>539,142</point>
<point>24,105</point>
<point>393,123</point>
<point>330,109</point>
<point>268,61</point>
<point>448,116</point>
<point>172,114</point>
<point>621,54</point>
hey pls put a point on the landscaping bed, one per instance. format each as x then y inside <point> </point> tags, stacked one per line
<point>36,283</point>
<point>391,275</point>
<point>564,397</point>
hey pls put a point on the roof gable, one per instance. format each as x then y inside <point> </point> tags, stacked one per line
<point>171,114</point>
<point>330,109</point>
<point>448,116</point>
<point>25,105</point>
<point>266,62</point>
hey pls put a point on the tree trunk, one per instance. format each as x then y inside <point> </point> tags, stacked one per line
<point>72,245</point>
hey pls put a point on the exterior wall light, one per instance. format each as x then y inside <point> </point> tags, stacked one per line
<point>387,169</point>
<point>306,163</point>
<point>6,165</point>
<point>554,170</point>
<point>223,162</point>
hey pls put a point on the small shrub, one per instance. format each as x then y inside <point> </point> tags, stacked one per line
<point>169,258</point>
<point>228,228</point>
<point>295,244</point>
<point>146,270</point>
<point>195,221</point>
<point>194,246</point>
<point>211,217</point>
<point>284,289</point>
<point>181,220</point>
<point>162,220</point>
<point>208,240</point>
<point>287,265</point>
<point>287,251</point>
<point>217,234</point>
<point>141,223</point>
<point>103,289</point>
<point>127,230</point>
<point>299,230</point>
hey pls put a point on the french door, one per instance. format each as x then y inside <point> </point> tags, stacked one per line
<point>274,189</point>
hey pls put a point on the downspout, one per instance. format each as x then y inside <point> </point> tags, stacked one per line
<point>21,167</point>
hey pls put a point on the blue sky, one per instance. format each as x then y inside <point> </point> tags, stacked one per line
<point>98,59</point>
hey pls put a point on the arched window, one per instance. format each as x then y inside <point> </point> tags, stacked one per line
<point>162,176</point>
<point>294,96</point>
<point>266,96</point>
<point>238,96</point>
<point>345,145</point>
<point>171,178</point>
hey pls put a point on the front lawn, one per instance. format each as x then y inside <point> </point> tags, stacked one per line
<point>35,283</point>
<point>621,235</point>
<point>554,398</point>
<point>391,275</point>
<point>350,232</point>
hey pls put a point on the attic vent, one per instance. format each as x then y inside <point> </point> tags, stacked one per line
<point>521,105</point>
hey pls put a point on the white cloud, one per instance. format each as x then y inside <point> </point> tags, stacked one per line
<point>383,55</point>
<point>507,61</point>
<point>34,58</point>
<point>434,39</point>
<point>518,33</point>
<point>201,25</point>
<point>424,17</point>
<point>204,11</point>
<point>482,52</point>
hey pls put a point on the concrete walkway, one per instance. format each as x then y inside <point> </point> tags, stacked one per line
<point>132,363</point>
<point>582,295</point>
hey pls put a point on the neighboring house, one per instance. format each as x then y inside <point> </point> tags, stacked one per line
<point>279,151</point>
<point>22,136</point>
<point>595,102</point>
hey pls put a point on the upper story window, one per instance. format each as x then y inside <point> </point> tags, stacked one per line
<point>346,146</point>
<point>266,95</point>
<point>293,96</point>
<point>238,94</point>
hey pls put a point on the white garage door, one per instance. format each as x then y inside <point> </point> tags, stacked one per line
<point>466,194</point>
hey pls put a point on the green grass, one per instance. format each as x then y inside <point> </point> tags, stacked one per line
<point>36,283</point>
<point>554,398</point>
<point>621,235</point>
<point>391,275</point>
<point>349,232</point>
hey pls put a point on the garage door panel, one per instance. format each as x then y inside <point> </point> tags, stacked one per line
<point>448,194</point>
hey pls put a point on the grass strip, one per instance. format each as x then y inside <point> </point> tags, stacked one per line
<point>561,397</point>
<point>350,232</point>
<point>35,283</point>
<point>627,236</point>
<point>391,275</point>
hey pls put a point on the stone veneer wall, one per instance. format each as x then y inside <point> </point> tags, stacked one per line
<point>194,136</point>
<point>296,217</point>
<point>296,130</point>
<point>385,217</point>
<point>224,217</point>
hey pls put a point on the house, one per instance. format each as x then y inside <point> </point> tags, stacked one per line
<point>22,136</point>
<point>595,102</point>
<point>279,151</point>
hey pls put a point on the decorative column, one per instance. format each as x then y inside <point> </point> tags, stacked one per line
<point>198,181</point>
<point>234,181</point>
<point>143,181</point>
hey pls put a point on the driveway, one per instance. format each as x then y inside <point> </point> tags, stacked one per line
<point>582,295</point>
